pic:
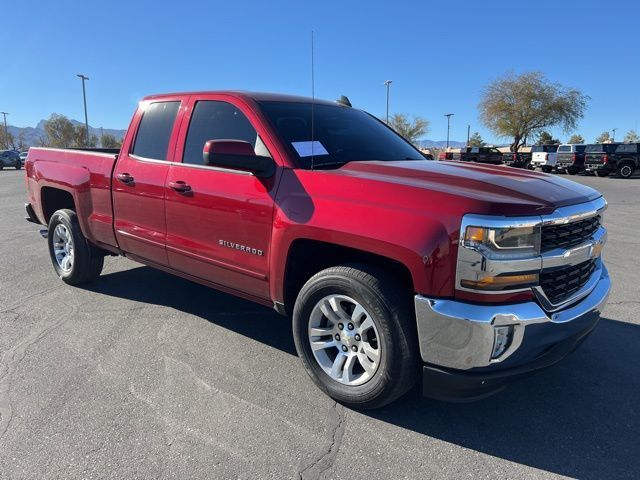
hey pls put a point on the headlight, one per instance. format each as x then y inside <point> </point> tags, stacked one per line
<point>500,257</point>
<point>503,239</point>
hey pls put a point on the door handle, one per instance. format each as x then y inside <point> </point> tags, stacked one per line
<point>125,178</point>
<point>180,186</point>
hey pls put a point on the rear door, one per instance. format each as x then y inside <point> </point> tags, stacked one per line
<point>220,229</point>
<point>139,180</point>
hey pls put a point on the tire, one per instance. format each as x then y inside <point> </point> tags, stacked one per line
<point>626,170</point>
<point>1,166</point>
<point>571,171</point>
<point>18,166</point>
<point>84,262</point>
<point>601,174</point>
<point>546,169</point>
<point>387,309</point>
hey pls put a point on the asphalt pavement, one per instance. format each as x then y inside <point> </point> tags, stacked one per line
<point>145,375</point>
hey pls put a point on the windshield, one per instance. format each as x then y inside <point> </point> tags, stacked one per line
<point>340,135</point>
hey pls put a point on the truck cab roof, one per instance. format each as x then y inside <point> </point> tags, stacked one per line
<point>255,96</point>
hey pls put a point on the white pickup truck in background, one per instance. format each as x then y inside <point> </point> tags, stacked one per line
<point>544,156</point>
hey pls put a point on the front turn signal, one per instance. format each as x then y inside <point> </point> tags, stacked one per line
<point>502,282</point>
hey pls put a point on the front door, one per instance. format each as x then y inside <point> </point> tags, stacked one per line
<point>139,180</point>
<point>219,220</point>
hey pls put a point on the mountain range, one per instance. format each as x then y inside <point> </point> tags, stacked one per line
<point>31,135</point>
<point>425,143</point>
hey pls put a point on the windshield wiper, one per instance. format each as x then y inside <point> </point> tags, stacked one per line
<point>328,164</point>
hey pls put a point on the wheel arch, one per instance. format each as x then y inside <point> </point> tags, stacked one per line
<point>306,257</point>
<point>53,199</point>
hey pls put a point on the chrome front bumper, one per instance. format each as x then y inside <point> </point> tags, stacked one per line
<point>461,336</point>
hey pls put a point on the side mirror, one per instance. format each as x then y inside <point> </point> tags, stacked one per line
<point>237,155</point>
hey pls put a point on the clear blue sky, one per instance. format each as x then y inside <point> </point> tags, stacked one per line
<point>438,54</point>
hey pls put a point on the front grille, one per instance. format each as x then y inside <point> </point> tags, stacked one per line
<point>559,284</point>
<point>568,235</point>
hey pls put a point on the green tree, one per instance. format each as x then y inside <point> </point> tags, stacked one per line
<point>410,128</point>
<point>59,132</point>
<point>476,140</point>
<point>80,138</point>
<point>604,137</point>
<point>110,141</point>
<point>576,138</point>
<point>6,139</point>
<point>518,106</point>
<point>545,138</point>
<point>632,137</point>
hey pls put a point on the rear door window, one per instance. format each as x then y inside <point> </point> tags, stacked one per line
<point>154,131</point>
<point>627,148</point>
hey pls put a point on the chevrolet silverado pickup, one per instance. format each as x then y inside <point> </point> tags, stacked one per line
<point>392,267</point>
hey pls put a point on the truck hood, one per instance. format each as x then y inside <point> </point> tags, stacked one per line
<point>503,190</point>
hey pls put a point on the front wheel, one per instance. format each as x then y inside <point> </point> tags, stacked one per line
<point>74,259</point>
<point>354,330</point>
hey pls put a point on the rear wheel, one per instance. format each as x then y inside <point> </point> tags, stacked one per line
<point>626,170</point>
<point>546,169</point>
<point>74,259</point>
<point>355,333</point>
<point>18,165</point>
<point>601,173</point>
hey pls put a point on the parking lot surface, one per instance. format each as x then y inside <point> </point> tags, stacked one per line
<point>145,375</point>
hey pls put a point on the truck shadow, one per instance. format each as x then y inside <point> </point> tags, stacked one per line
<point>228,311</point>
<point>579,418</point>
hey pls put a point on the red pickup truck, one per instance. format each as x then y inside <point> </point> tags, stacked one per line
<point>391,266</point>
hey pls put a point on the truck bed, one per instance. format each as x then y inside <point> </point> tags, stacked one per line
<point>85,177</point>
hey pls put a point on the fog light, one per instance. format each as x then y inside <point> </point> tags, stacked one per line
<point>502,340</point>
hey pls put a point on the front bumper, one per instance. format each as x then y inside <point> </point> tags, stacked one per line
<point>457,340</point>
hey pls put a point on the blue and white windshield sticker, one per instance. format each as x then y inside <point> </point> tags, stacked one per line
<point>307,149</point>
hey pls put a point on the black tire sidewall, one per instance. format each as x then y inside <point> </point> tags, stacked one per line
<point>389,337</point>
<point>622,167</point>
<point>86,265</point>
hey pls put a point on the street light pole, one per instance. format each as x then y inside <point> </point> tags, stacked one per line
<point>448,115</point>
<point>6,131</point>
<point>468,134</point>
<point>388,84</point>
<point>86,119</point>
<point>613,138</point>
